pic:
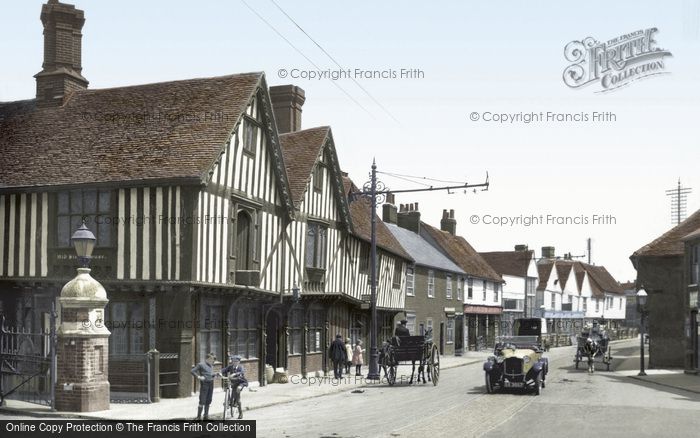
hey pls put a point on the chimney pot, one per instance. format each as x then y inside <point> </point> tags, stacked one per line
<point>548,252</point>
<point>287,101</point>
<point>448,222</point>
<point>409,218</point>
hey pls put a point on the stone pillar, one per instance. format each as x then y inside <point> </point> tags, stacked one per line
<point>82,349</point>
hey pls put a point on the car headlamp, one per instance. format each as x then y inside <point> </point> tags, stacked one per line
<point>526,359</point>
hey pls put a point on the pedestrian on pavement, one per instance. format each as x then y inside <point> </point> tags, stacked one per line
<point>357,358</point>
<point>236,375</point>
<point>338,356</point>
<point>401,329</point>
<point>348,355</point>
<point>204,371</point>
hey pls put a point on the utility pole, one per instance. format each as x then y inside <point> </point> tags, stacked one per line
<point>376,191</point>
<point>679,197</point>
<point>588,241</point>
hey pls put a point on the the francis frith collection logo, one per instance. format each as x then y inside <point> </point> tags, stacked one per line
<point>614,63</point>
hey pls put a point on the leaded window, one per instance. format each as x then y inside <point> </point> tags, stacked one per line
<point>90,206</point>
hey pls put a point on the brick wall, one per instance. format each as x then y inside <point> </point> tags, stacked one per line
<point>314,362</point>
<point>294,363</point>
<point>82,374</point>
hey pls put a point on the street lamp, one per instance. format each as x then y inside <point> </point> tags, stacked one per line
<point>84,243</point>
<point>641,308</point>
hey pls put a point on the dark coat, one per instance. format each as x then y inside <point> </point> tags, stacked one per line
<point>401,330</point>
<point>236,370</point>
<point>337,352</point>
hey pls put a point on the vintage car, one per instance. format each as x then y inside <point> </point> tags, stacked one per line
<point>517,361</point>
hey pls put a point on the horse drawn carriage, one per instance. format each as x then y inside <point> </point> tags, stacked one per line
<point>400,350</point>
<point>593,344</point>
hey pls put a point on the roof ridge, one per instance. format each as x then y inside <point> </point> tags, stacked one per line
<point>175,81</point>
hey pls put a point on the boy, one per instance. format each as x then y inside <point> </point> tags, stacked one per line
<point>204,371</point>
<point>236,375</point>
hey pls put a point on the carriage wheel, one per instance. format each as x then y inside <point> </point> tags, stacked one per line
<point>435,365</point>
<point>391,374</point>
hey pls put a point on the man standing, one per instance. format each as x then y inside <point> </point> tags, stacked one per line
<point>338,356</point>
<point>204,371</point>
<point>401,329</point>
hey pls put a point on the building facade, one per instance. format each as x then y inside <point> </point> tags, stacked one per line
<point>434,282</point>
<point>519,272</point>
<point>664,271</point>
<point>206,224</point>
<point>482,285</point>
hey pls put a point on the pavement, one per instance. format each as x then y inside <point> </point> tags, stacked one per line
<point>297,389</point>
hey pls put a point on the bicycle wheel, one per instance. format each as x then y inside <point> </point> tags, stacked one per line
<point>226,404</point>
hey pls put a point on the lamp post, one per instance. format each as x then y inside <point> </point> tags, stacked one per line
<point>84,243</point>
<point>641,308</point>
<point>375,191</point>
<point>82,337</point>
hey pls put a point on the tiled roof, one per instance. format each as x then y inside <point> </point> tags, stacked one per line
<point>580,272</point>
<point>461,252</point>
<point>156,131</point>
<point>301,149</point>
<point>692,236</point>
<point>671,242</point>
<point>603,279</point>
<point>563,270</point>
<point>600,279</point>
<point>543,271</point>
<point>421,251</point>
<point>362,225</point>
<point>515,263</point>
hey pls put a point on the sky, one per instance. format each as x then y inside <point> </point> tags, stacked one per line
<point>480,58</point>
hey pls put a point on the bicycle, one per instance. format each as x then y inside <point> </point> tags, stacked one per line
<point>232,395</point>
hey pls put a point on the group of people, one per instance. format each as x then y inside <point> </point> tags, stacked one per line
<point>204,372</point>
<point>344,355</point>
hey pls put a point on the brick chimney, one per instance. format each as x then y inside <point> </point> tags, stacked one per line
<point>409,217</point>
<point>521,247</point>
<point>448,222</point>
<point>548,252</point>
<point>389,210</point>
<point>61,71</point>
<point>287,101</point>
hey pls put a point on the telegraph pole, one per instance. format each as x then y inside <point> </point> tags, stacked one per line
<point>376,192</point>
<point>679,197</point>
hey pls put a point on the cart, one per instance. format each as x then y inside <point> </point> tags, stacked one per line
<point>407,350</point>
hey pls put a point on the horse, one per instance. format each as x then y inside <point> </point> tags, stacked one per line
<point>425,356</point>
<point>590,348</point>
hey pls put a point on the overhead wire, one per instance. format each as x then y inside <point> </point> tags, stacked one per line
<point>305,57</point>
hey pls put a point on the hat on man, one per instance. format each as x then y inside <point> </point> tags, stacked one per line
<point>404,322</point>
<point>339,336</point>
